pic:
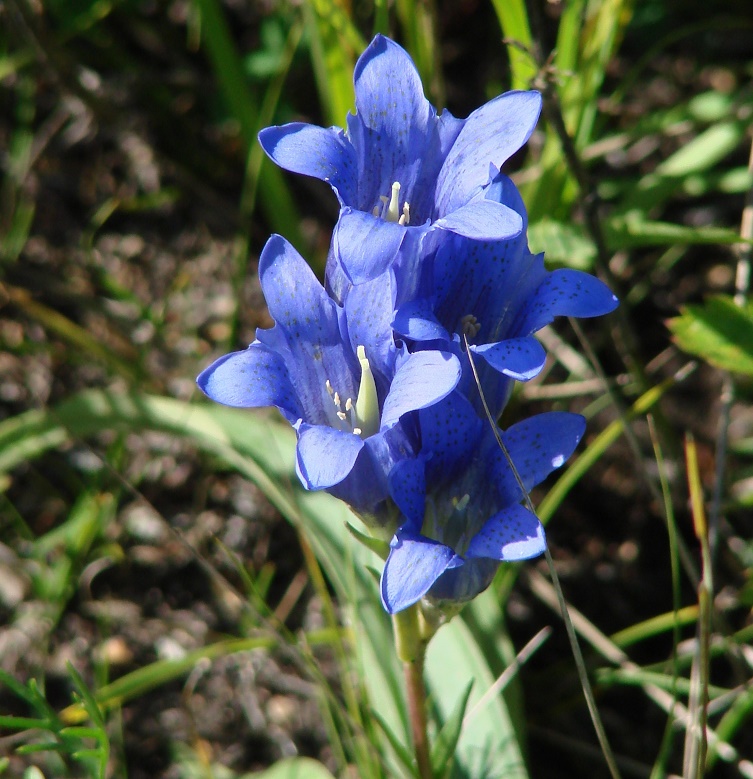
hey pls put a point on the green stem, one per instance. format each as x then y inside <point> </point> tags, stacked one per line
<point>411,649</point>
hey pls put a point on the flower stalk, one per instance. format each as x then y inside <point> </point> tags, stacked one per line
<point>410,645</point>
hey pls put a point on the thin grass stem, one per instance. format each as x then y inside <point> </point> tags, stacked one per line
<point>574,646</point>
<point>742,286</point>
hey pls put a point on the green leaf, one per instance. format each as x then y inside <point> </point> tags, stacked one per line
<point>444,747</point>
<point>379,547</point>
<point>705,150</point>
<point>487,746</point>
<point>563,244</point>
<point>631,231</point>
<point>295,768</point>
<point>403,753</point>
<point>718,331</point>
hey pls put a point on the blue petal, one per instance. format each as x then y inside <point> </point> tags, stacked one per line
<point>450,433</point>
<point>393,125</point>
<point>423,379</point>
<point>416,320</point>
<point>407,482</point>
<point>512,534</point>
<point>368,310</point>
<point>566,292</point>
<point>325,154</point>
<point>414,564</point>
<point>365,245</point>
<point>503,190</point>
<point>463,583</point>
<point>365,488</point>
<point>518,358</point>
<point>537,445</point>
<point>307,331</point>
<point>483,220</point>
<point>491,134</point>
<point>325,456</point>
<point>252,378</point>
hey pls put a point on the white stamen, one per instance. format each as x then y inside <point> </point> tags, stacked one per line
<point>367,404</point>
<point>394,206</point>
<point>328,385</point>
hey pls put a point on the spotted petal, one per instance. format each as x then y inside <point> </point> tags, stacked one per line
<point>482,220</point>
<point>365,245</point>
<point>566,292</point>
<point>518,358</point>
<point>253,378</point>
<point>407,482</point>
<point>492,134</point>
<point>416,320</point>
<point>512,534</point>
<point>414,564</point>
<point>325,456</point>
<point>394,121</point>
<point>422,380</point>
<point>537,445</point>
<point>324,153</point>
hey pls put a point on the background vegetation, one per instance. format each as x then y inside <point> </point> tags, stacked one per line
<point>172,603</point>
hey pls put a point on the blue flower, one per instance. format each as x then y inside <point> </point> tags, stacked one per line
<point>497,294</point>
<point>402,170</point>
<point>337,377</point>
<point>461,502</point>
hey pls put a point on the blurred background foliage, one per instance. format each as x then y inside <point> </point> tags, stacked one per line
<point>171,602</point>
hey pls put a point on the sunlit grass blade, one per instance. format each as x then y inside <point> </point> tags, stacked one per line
<point>278,206</point>
<point>674,559</point>
<point>335,44</point>
<point>419,24</point>
<point>150,677</point>
<point>696,737</point>
<point>119,363</point>
<point>513,19</point>
<point>255,162</point>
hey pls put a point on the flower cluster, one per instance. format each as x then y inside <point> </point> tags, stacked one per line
<point>429,306</point>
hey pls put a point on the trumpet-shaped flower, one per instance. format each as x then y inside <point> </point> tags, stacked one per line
<point>336,376</point>
<point>496,294</point>
<point>400,168</point>
<point>461,502</point>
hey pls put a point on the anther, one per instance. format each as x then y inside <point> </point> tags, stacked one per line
<point>469,326</point>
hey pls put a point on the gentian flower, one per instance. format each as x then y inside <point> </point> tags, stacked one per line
<point>461,502</point>
<point>497,294</point>
<point>400,170</point>
<point>337,377</point>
